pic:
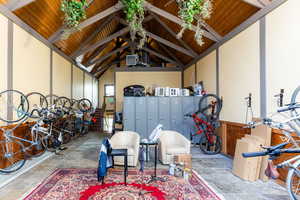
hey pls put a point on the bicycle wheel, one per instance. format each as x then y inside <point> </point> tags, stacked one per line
<point>12,156</point>
<point>13,106</point>
<point>51,99</point>
<point>85,105</point>
<point>293,181</point>
<point>211,105</point>
<point>37,102</point>
<point>210,147</point>
<point>296,100</point>
<point>64,104</point>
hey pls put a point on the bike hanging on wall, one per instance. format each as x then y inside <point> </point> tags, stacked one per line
<point>206,121</point>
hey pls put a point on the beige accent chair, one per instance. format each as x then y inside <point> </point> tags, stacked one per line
<point>126,140</point>
<point>172,143</point>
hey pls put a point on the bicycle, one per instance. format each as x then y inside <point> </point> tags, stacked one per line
<point>206,122</point>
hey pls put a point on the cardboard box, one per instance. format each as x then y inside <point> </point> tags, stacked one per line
<point>186,159</point>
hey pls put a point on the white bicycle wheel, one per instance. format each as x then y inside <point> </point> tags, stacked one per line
<point>293,181</point>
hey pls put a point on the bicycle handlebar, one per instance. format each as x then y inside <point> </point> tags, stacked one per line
<point>254,154</point>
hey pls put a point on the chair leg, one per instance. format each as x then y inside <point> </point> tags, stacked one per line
<point>125,169</point>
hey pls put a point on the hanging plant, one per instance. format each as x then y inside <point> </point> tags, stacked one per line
<point>74,11</point>
<point>134,10</point>
<point>188,10</point>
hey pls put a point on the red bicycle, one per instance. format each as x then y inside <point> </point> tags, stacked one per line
<point>206,121</point>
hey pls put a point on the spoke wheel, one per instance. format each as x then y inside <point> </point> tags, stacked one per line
<point>12,156</point>
<point>293,181</point>
<point>85,105</point>
<point>37,102</point>
<point>210,147</point>
<point>211,106</point>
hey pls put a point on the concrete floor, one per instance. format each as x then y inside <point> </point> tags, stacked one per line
<point>83,153</point>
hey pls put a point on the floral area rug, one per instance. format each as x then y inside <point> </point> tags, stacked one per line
<point>82,184</point>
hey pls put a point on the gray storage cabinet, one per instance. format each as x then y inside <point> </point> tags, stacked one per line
<point>143,114</point>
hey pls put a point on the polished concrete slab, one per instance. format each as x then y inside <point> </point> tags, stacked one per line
<point>83,153</point>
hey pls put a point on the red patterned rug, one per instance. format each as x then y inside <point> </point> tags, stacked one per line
<point>81,184</point>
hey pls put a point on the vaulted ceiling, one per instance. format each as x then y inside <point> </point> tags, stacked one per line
<point>104,36</point>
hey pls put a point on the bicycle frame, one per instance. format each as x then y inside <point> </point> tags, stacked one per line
<point>198,123</point>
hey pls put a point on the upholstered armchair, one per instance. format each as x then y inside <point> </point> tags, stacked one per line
<point>126,140</point>
<point>172,143</point>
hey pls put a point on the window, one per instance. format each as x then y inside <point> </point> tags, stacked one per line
<point>109,90</point>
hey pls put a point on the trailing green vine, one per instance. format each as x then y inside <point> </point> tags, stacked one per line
<point>134,10</point>
<point>74,11</point>
<point>188,10</point>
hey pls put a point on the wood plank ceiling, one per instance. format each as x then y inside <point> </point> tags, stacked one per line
<point>46,18</point>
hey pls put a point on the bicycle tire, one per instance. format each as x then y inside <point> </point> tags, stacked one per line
<point>43,101</point>
<point>203,105</point>
<point>293,101</point>
<point>24,107</point>
<point>19,156</point>
<point>64,103</point>
<point>85,105</point>
<point>51,99</point>
<point>203,144</point>
<point>289,180</point>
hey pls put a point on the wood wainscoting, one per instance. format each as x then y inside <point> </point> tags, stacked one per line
<point>23,131</point>
<point>230,132</point>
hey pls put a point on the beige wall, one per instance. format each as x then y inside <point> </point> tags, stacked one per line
<point>95,92</point>
<point>206,72</point>
<point>147,79</point>
<point>239,74</point>
<point>189,76</point>
<point>31,63</point>
<point>61,76</point>
<point>3,60</point>
<point>88,87</point>
<point>106,78</point>
<point>77,83</point>
<point>283,64</point>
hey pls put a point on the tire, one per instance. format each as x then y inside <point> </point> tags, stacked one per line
<point>64,103</point>
<point>66,137</point>
<point>85,105</point>
<point>17,158</point>
<point>204,105</point>
<point>294,101</point>
<point>215,149</point>
<point>19,111</point>
<point>51,99</point>
<point>291,177</point>
<point>43,104</point>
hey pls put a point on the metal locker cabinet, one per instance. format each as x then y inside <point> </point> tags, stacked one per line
<point>140,116</point>
<point>152,114</point>
<point>129,114</point>
<point>176,114</point>
<point>164,112</point>
<point>188,123</point>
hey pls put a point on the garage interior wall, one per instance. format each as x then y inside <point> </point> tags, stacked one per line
<point>77,83</point>
<point>88,87</point>
<point>61,76</point>
<point>282,52</point>
<point>206,72</point>
<point>106,78</point>
<point>240,74</point>
<point>189,76</point>
<point>147,79</point>
<point>3,57</point>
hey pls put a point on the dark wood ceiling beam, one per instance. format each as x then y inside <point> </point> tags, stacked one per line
<point>115,8</point>
<point>159,55</point>
<point>93,35</point>
<point>110,54</point>
<point>251,20</point>
<point>95,54</point>
<point>170,54</point>
<point>16,4</point>
<point>104,41</point>
<point>174,34</point>
<point>169,44</point>
<point>176,20</point>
